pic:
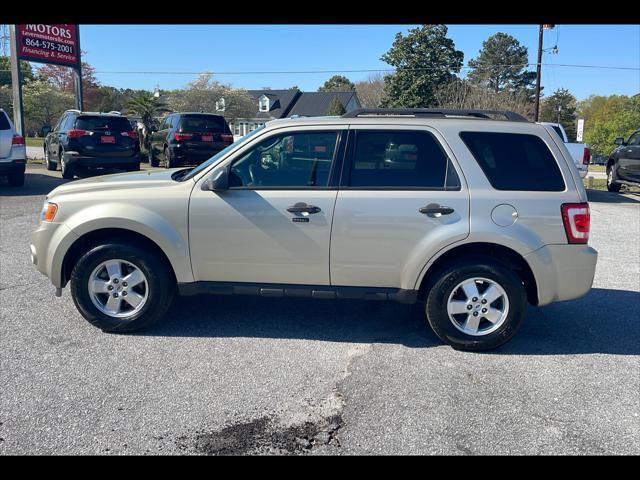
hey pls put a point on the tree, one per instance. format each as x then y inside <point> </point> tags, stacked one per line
<point>560,108</point>
<point>465,94</point>
<point>63,78</point>
<point>337,83</point>
<point>370,90</point>
<point>606,118</point>
<point>424,59</point>
<point>43,104</point>
<point>501,65</point>
<point>148,108</point>
<point>336,108</point>
<point>5,71</point>
<point>202,94</point>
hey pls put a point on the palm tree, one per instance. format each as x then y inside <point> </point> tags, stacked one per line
<point>147,107</point>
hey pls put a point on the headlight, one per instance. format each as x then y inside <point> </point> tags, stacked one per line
<point>48,212</point>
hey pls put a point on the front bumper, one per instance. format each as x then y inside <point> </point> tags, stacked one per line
<point>562,272</point>
<point>74,160</point>
<point>12,166</point>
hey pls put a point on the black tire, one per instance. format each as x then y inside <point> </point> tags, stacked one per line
<point>611,177</point>
<point>16,179</point>
<point>153,160</point>
<point>169,161</point>
<point>68,171</point>
<point>444,285</point>
<point>133,168</point>
<point>49,165</point>
<point>159,282</point>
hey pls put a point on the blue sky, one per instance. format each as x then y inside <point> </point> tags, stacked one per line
<point>233,48</point>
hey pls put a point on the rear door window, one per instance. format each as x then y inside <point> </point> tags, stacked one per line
<point>400,159</point>
<point>513,161</point>
<point>115,124</point>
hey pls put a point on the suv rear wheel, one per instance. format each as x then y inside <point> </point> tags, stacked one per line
<point>169,162</point>
<point>153,160</point>
<point>49,165</point>
<point>67,170</point>
<point>476,305</point>
<point>611,177</point>
<point>120,287</point>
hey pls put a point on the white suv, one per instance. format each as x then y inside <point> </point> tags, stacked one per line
<point>471,215</point>
<point>13,153</point>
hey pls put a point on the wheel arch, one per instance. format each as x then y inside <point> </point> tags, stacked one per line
<point>105,235</point>
<point>495,252</point>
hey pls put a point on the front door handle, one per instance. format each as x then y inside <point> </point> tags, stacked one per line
<point>433,208</point>
<point>302,207</point>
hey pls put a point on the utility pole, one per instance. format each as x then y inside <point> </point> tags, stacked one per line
<point>538,73</point>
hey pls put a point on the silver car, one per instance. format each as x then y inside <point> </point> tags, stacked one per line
<point>469,214</point>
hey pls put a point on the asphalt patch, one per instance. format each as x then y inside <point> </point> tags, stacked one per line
<point>264,436</point>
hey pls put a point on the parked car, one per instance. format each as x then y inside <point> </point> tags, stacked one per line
<point>579,151</point>
<point>13,153</point>
<point>623,166</point>
<point>188,139</point>
<point>89,140</point>
<point>480,217</point>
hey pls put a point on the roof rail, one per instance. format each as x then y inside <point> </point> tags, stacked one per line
<point>435,112</point>
<point>73,110</point>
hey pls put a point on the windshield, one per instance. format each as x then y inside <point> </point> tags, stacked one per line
<point>204,123</point>
<point>203,166</point>
<point>117,124</point>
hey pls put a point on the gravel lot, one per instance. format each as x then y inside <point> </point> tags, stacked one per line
<point>258,375</point>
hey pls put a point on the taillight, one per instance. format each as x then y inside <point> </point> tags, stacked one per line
<point>226,138</point>
<point>577,221</point>
<point>17,140</point>
<point>586,156</point>
<point>76,133</point>
<point>182,136</point>
<point>131,134</point>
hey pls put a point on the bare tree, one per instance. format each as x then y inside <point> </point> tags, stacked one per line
<point>370,90</point>
<point>467,95</point>
<point>202,94</point>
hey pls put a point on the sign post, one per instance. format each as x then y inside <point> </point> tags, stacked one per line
<point>580,130</point>
<point>58,44</point>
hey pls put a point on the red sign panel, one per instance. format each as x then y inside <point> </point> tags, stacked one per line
<point>49,43</point>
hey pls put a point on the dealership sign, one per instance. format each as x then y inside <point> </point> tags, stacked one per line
<point>56,44</point>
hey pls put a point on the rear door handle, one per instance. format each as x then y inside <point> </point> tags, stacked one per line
<point>302,207</point>
<point>433,208</point>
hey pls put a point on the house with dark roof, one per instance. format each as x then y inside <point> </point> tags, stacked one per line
<point>273,104</point>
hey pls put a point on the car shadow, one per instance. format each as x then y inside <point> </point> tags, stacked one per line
<point>34,184</point>
<point>604,321</point>
<point>601,196</point>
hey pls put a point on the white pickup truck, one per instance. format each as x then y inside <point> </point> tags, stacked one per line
<point>579,151</point>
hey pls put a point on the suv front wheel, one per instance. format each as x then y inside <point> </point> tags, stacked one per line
<point>120,287</point>
<point>612,186</point>
<point>476,305</point>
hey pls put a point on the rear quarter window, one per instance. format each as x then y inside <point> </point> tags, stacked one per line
<point>514,161</point>
<point>4,121</point>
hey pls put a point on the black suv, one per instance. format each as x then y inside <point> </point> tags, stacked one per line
<point>82,140</point>
<point>188,138</point>
<point>623,167</point>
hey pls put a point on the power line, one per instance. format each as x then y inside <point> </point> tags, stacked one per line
<point>372,70</point>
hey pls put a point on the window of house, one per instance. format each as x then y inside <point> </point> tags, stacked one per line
<point>263,104</point>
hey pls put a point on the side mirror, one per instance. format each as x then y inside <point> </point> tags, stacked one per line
<point>217,182</point>
<point>46,130</point>
<point>619,141</point>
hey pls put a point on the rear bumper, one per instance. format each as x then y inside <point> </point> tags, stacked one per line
<point>184,154</point>
<point>562,272</point>
<point>12,166</point>
<point>74,160</point>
